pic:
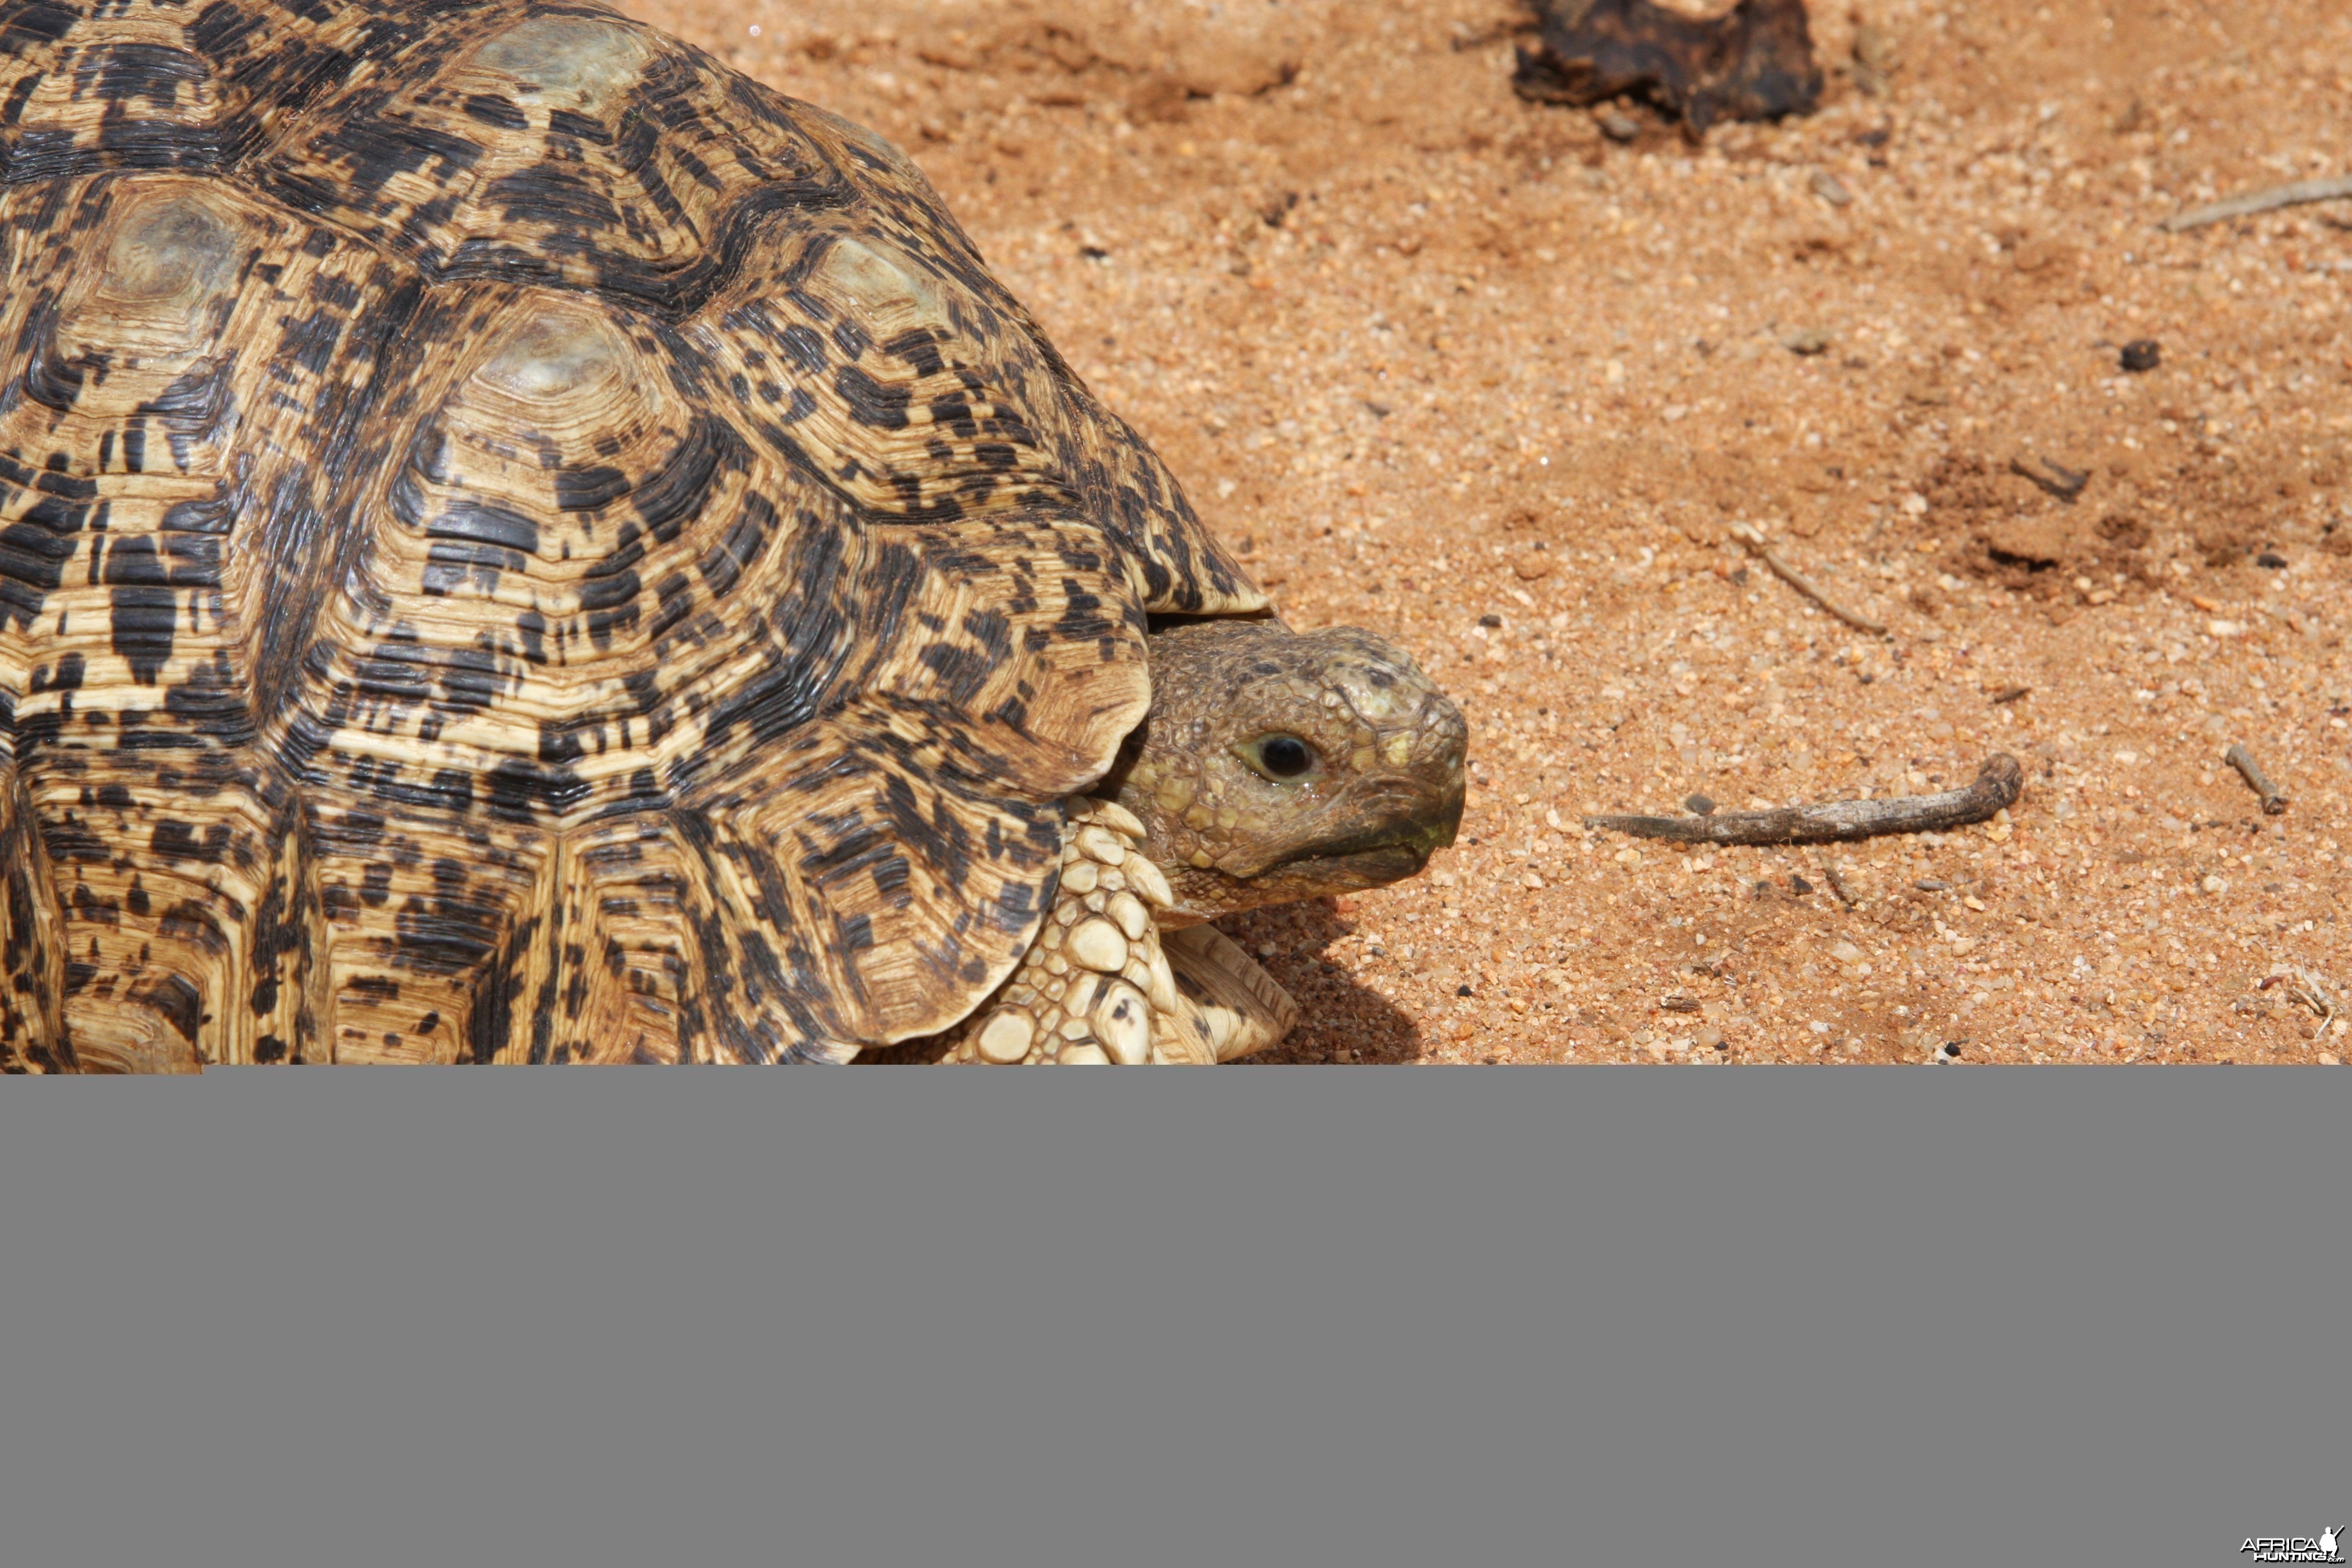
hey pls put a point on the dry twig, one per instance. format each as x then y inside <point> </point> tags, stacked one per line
<point>1754,539</point>
<point>1995,788</point>
<point>2306,989</point>
<point>2238,757</point>
<point>2299,194</point>
<point>2051,479</point>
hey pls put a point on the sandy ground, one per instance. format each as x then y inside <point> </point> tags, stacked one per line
<point>1460,369</point>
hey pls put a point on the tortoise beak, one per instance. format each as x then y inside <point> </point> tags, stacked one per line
<point>1390,836</point>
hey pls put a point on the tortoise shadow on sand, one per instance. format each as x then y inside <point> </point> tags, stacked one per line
<point>1340,1019</point>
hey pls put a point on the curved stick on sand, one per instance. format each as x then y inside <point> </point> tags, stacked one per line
<point>2276,196</point>
<point>1996,788</point>
<point>1758,546</point>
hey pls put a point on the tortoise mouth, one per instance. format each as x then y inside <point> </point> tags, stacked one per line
<point>1381,853</point>
<point>1396,843</point>
<point>1378,854</point>
<point>1354,869</point>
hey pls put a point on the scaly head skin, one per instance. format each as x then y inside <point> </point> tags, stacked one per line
<point>1278,765</point>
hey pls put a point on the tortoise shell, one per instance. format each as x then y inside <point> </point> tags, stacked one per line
<point>519,542</point>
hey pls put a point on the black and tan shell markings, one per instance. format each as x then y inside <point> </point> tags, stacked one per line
<point>519,543</point>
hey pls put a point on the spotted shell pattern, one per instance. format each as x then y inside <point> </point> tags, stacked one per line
<point>517,542</point>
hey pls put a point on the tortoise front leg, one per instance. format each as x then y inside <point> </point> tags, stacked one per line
<point>1091,987</point>
<point>1100,986</point>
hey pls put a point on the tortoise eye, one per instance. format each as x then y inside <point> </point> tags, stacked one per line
<point>1279,756</point>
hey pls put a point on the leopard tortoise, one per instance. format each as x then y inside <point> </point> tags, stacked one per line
<point>519,543</point>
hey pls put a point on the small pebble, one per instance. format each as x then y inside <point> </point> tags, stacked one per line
<point>1831,189</point>
<point>1811,342</point>
<point>1616,124</point>
<point>1491,621</point>
<point>1535,563</point>
<point>1699,805</point>
<point>2142,356</point>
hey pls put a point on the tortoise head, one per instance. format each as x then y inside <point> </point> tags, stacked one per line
<point>1278,765</point>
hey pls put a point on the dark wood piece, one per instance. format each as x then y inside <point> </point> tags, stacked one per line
<point>1996,786</point>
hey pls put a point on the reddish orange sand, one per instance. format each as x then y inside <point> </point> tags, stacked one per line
<point>1458,368</point>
